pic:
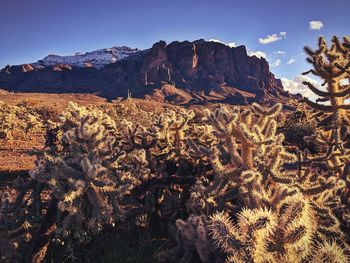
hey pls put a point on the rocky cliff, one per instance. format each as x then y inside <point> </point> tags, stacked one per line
<point>179,72</point>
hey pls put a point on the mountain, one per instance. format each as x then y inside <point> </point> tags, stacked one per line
<point>179,72</point>
<point>97,58</point>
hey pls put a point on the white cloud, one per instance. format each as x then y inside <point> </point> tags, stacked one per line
<point>296,86</point>
<point>230,44</point>
<point>276,63</point>
<point>279,52</point>
<point>283,34</point>
<point>258,54</point>
<point>315,25</point>
<point>291,61</point>
<point>272,38</point>
<point>269,39</point>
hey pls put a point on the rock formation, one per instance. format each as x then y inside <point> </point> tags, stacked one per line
<point>179,72</point>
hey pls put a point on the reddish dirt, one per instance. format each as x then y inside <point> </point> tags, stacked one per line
<point>58,101</point>
<point>15,154</point>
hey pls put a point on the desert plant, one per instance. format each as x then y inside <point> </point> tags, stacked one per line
<point>329,252</point>
<point>193,239</point>
<point>333,66</point>
<point>247,141</point>
<point>226,181</point>
<point>17,118</point>
<point>91,169</point>
<point>275,212</point>
<point>84,184</point>
<point>171,169</point>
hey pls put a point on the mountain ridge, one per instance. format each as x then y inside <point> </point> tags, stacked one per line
<point>97,58</point>
<point>178,72</point>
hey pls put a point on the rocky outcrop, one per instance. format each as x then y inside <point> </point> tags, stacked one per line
<point>199,71</point>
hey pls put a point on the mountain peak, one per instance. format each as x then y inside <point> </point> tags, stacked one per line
<point>179,72</point>
<point>97,58</point>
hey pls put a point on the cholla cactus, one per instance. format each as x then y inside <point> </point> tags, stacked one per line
<point>172,170</point>
<point>282,235</point>
<point>332,65</point>
<point>298,125</point>
<point>245,197</point>
<point>8,117</point>
<point>17,118</point>
<point>92,172</point>
<point>171,128</point>
<point>86,181</point>
<point>129,111</point>
<point>192,238</point>
<point>283,213</point>
<point>329,252</point>
<point>247,151</point>
<point>89,168</point>
<point>7,249</point>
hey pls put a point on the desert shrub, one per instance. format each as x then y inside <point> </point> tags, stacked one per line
<point>15,119</point>
<point>298,126</point>
<point>47,113</point>
<point>254,209</point>
<point>226,175</point>
<point>332,64</point>
<point>93,175</point>
<point>296,132</point>
<point>120,112</point>
<point>75,192</point>
<point>172,170</point>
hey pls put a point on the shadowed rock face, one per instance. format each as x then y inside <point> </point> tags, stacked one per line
<point>197,71</point>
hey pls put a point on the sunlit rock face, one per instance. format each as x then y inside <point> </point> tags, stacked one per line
<point>197,71</point>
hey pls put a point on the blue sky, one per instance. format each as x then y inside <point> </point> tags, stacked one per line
<point>31,29</point>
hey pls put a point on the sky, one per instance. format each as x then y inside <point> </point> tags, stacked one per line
<point>275,29</point>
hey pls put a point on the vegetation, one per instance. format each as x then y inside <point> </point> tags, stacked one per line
<point>219,185</point>
<point>17,118</point>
